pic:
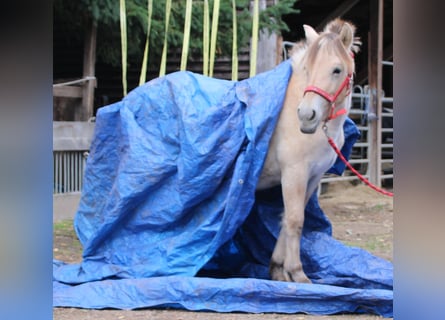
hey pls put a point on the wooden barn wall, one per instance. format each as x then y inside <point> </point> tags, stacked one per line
<point>68,54</point>
<point>67,65</point>
<point>109,87</point>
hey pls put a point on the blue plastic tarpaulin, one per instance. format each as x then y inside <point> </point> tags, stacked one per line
<point>169,215</point>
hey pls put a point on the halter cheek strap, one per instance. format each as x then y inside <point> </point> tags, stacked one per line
<point>331,98</point>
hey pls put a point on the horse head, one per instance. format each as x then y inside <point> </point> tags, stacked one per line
<point>327,69</point>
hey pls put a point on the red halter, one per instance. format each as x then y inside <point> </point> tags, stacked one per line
<point>331,98</point>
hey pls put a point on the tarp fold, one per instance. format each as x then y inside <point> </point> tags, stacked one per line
<point>169,215</point>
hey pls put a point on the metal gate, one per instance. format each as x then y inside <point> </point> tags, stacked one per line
<point>68,170</point>
<point>359,158</point>
<point>71,142</point>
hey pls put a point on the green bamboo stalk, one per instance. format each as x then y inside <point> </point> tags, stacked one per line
<point>186,39</point>
<point>123,23</point>
<point>143,76</point>
<point>234,44</point>
<point>205,39</point>
<point>215,17</point>
<point>255,32</point>
<point>168,6</point>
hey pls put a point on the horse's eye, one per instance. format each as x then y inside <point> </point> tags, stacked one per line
<point>336,71</point>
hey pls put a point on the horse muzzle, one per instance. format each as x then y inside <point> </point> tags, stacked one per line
<point>309,120</point>
<point>308,130</point>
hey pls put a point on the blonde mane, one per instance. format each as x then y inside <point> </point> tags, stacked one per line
<point>329,39</point>
<point>297,53</point>
<point>336,26</point>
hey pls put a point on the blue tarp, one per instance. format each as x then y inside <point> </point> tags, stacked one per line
<point>169,216</point>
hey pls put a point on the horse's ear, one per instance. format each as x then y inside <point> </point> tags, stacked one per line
<point>347,35</point>
<point>311,34</point>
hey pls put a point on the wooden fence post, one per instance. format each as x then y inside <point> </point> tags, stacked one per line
<point>269,45</point>
<point>375,45</point>
<point>89,61</point>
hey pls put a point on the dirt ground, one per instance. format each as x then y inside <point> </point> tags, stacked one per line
<point>360,217</point>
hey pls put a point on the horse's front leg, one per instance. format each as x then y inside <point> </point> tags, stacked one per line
<point>285,264</point>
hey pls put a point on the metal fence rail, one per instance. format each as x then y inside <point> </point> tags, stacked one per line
<point>71,142</point>
<point>68,170</point>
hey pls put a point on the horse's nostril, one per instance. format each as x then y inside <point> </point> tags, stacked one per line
<point>313,116</point>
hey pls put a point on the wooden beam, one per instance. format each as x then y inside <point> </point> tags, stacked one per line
<point>340,11</point>
<point>375,53</point>
<point>388,53</point>
<point>89,61</point>
<point>68,92</point>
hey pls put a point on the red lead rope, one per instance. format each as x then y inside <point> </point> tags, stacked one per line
<point>362,178</point>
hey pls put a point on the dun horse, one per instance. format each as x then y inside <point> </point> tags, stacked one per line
<point>317,101</point>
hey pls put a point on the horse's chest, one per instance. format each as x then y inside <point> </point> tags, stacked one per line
<point>270,175</point>
<point>323,159</point>
<point>323,156</point>
<point>313,155</point>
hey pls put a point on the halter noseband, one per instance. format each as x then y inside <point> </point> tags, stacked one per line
<point>331,98</point>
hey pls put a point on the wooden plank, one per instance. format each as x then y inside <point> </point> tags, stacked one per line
<point>68,92</point>
<point>375,52</point>
<point>72,135</point>
<point>269,51</point>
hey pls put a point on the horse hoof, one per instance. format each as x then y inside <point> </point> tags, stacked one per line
<point>300,277</point>
<point>279,273</point>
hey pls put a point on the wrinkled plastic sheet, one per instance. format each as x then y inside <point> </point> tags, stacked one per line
<point>169,216</point>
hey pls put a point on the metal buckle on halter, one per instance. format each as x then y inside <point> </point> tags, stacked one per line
<point>325,128</point>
